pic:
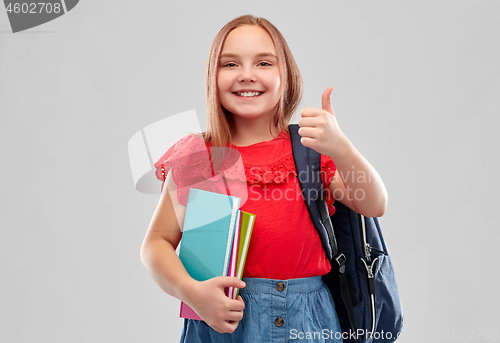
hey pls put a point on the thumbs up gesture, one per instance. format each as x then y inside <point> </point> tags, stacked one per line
<point>319,128</point>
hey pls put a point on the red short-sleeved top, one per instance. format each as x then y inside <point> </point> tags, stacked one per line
<point>284,244</point>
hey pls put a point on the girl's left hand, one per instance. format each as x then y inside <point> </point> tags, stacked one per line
<point>319,128</point>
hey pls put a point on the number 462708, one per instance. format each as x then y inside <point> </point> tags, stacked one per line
<point>32,7</point>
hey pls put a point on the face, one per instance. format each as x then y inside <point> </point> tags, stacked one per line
<point>248,80</point>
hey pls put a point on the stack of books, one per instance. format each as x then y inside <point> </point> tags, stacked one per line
<point>215,239</point>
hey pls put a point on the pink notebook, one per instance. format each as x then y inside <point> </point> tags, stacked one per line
<point>231,291</point>
<point>188,312</point>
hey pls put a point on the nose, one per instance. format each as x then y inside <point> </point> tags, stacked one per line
<point>247,75</point>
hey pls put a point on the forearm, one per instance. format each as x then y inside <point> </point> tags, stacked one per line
<point>363,185</point>
<point>207,298</point>
<point>161,261</point>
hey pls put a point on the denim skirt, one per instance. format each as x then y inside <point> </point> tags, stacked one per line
<point>278,311</point>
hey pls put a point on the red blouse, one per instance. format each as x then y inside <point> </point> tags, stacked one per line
<point>284,244</point>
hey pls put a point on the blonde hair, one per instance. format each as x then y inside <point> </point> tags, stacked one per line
<point>220,123</point>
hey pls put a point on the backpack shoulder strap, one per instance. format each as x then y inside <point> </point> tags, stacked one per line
<point>308,165</point>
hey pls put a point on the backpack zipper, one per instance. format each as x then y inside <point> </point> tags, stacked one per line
<point>370,266</point>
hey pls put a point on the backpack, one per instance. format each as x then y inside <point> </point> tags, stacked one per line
<point>361,281</point>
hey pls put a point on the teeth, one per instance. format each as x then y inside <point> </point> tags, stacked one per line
<point>248,93</point>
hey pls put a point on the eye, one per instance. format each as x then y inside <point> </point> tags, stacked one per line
<point>265,64</point>
<point>230,64</point>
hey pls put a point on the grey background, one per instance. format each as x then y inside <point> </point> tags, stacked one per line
<point>415,89</point>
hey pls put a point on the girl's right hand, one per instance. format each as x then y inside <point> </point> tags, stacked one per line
<point>208,300</point>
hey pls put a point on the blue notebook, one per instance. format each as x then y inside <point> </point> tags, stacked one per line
<point>207,236</point>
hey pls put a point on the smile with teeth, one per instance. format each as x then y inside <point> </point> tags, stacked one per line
<point>248,94</point>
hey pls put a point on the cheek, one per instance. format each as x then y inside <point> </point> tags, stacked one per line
<point>224,80</point>
<point>220,81</point>
<point>222,91</point>
<point>223,86</point>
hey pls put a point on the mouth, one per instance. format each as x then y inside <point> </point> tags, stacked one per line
<point>248,94</point>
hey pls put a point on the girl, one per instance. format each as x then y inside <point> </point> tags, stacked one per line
<point>253,88</point>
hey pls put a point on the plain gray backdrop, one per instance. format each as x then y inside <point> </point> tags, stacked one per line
<point>416,89</point>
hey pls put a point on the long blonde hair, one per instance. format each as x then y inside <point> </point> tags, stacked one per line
<point>220,123</point>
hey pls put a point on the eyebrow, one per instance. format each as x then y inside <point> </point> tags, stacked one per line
<point>263,54</point>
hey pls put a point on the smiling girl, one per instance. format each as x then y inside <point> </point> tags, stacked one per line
<point>253,88</point>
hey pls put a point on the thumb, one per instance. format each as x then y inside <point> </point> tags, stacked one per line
<point>231,281</point>
<point>326,102</point>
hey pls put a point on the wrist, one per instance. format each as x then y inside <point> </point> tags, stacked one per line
<point>342,149</point>
<point>187,289</point>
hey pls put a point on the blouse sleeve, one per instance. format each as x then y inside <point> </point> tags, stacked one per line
<point>191,167</point>
<point>189,161</point>
<point>328,170</point>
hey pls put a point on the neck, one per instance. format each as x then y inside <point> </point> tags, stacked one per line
<point>249,132</point>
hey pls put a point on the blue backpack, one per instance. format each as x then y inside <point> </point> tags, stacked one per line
<point>362,281</point>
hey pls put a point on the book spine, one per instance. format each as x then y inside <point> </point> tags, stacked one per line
<point>230,235</point>
<point>234,255</point>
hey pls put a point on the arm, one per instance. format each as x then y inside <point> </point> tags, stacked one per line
<point>158,255</point>
<point>356,183</point>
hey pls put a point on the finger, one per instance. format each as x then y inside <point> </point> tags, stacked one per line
<point>230,281</point>
<point>235,316</point>
<point>326,102</point>
<point>308,132</point>
<point>221,325</point>
<point>310,112</point>
<point>308,142</point>
<point>229,326</point>
<point>237,304</point>
<point>308,122</point>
